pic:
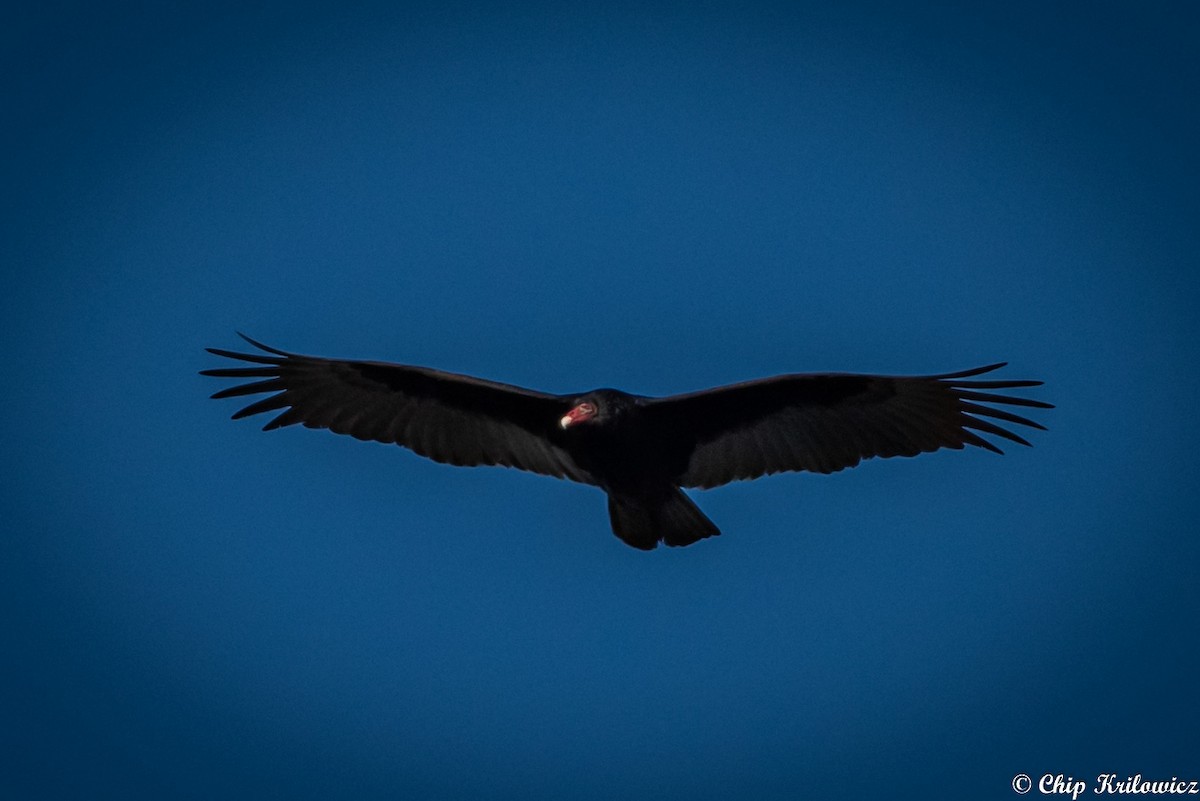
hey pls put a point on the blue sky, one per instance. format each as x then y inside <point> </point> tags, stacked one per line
<point>658,198</point>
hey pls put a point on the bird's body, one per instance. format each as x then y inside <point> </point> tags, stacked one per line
<point>639,450</point>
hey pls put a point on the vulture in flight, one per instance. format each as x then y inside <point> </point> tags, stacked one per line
<point>640,451</point>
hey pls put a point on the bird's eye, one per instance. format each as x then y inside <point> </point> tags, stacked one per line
<point>587,408</point>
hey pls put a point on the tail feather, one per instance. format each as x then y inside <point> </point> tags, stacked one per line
<point>673,519</point>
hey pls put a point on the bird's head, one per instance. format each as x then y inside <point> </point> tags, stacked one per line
<point>601,406</point>
<point>582,412</point>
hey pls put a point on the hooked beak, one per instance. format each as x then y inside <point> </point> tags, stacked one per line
<point>581,413</point>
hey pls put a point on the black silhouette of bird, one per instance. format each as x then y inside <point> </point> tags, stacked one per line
<point>639,450</point>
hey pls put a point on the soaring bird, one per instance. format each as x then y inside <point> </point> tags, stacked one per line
<point>639,450</point>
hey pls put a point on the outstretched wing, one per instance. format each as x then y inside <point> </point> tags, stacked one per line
<point>446,417</point>
<point>824,423</point>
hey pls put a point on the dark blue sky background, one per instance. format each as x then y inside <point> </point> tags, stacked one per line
<point>655,198</point>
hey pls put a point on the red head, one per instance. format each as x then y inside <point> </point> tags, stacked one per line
<point>581,413</point>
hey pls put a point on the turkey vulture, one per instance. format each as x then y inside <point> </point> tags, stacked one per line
<point>639,450</point>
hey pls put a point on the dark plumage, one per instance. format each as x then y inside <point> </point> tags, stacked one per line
<point>639,450</point>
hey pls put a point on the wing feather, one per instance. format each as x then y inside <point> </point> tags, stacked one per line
<point>827,422</point>
<point>446,417</point>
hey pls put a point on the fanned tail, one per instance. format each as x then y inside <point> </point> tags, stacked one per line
<point>671,518</point>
